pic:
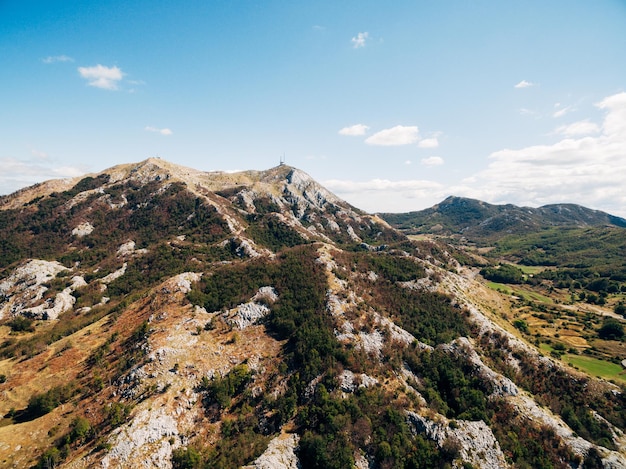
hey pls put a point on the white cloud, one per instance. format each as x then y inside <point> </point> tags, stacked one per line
<point>164,131</point>
<point>588,170</point>
<point>407,162</point>
<point>524,84</point>
<point>585,127</point>
<point>432,161</point>
<point>398,135</point>
<point>103,77</point>
<point>615,121</point>
<point>17,174</point>
<point>429,143</point>
<point>561,112</point>
<point>383,195</point>
<point>359,40</point>
<point>57,58</point>
<point>528,112</point>
<point>354,130</point>
<point>38,153</point>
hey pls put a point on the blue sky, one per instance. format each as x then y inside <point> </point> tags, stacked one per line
<point>391,105</point>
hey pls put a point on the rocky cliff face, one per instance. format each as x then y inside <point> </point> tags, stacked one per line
<point>159,316</point>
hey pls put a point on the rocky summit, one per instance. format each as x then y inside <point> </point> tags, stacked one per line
<point>158,316</point>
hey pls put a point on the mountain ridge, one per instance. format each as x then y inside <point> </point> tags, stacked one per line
<point>155,315</point>
<point>477,219</point>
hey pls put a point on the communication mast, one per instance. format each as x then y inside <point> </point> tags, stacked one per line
<point>282,160</point>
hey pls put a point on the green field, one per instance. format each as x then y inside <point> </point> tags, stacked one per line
<point>501,287</point>
<point>592,366</point>
<point>530,269</point>
<point>525,294</point>
<point>595,367</point>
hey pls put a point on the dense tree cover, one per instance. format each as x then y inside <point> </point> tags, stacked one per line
<point>431,317</point>
<point>394,268</point>
<point>300,314</point>
<point>264,205</point>
<point>450,384</point>
<point>186,458</point>
<point>504,273</point>
<point>334,427</point>
<point>450,216</point>
<point>227,286</point>
<point>271,232</point>
<point>596,266</point>
<point>160,262</point>
<point>611,329</point>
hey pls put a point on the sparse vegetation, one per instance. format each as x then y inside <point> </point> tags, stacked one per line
<point>40,404</point>
<point>135,338</point>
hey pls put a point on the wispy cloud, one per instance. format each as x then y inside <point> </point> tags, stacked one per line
<point>17,174</point>
<point>359,40</point>
<point>100,76</point>
<point>354,130</point>
<point>395,136</point>
<point>585,127</point>
<point>38,153</point>
<point>529,112</point>
<point>432,161</point>
<point>524,84</point>
<point>56,58</point>
<point>164,131</point>
<point>561,111</point>
<point>378,195</point>
<point>429,143</point>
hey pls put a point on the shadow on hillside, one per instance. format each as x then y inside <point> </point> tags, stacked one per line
<point>18,416</point>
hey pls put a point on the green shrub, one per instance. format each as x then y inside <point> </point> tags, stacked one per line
<point>80,430</point>
<point>186,458</point>
<point>611,329</point>
<point>21,324</point>
<point>521,325</point>
<point>41,404</point>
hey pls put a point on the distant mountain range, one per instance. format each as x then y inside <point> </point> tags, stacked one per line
<point>479,220</point>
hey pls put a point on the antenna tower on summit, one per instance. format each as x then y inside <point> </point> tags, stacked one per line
<point>282,160</point>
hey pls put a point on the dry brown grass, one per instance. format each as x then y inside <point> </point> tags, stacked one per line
<point>188,352</point>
